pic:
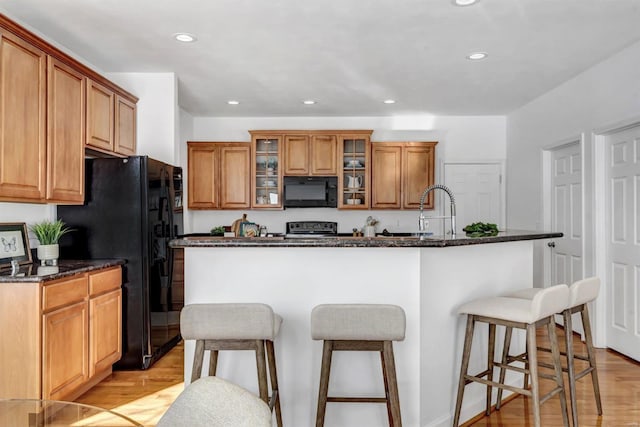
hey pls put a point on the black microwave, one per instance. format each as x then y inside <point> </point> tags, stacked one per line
<point>310,192</point>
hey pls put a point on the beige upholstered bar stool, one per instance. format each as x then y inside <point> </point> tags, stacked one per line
<point>359,327</point>
<point>515,313</point>
<point>218,327</point>
<point>214,402</point>
<point>581,293</point>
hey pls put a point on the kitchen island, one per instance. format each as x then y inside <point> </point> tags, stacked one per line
<point>429,278</point>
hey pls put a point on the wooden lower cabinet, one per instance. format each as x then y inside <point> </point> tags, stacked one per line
<point>105,340</point>
<point>59,337</point>
<point>65,344</point>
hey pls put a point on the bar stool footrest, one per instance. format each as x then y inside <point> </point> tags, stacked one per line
<point>471,378</point>
<point>357,399</point>
<point>550,395</point>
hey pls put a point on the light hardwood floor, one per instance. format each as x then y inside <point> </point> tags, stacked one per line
<point>145,395</point>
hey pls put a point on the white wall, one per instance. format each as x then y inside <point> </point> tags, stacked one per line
<point>185,134</point>
<point>459,138</point>
<point>606,94</point>
<point>157,124</point>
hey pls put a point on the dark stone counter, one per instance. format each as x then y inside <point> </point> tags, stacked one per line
<point>360,242</point>
<point>36,273</point>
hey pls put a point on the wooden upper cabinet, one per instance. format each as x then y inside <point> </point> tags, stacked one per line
<point>386,176</point>
<point>323,152</point>
<point>296,155</point>
<point>219,175</point>
<point>65,133</point>
<point>354,179</point>
<point>400,173</point>
<point>310,154</point>
<point>418,173</point>
<point>266,169</point>
<point>22,120</point>
<point>52,107</point>
<point>235,171</point>
<point>100,116</point>
<point>203,176</point>
<point>125,127</point>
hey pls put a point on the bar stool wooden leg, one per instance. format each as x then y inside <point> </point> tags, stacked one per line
<point>213,362</point>
<point>557,364</point>
<point>533,372</point>
<point>526,365</point>
<point>325,371</point>
<point>491,347</point>
<point>505,355</point>
<point>386,388</point>
<point>466,353</point>
<point>586,325</point>
<point>393,397</point>
<point>275,391</point>
<point>568,335</point>
<point>198,358</point>
<point>262,371</point>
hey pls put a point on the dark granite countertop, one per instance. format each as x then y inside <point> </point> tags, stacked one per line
<point>360,242</point>
<point>35,273</point>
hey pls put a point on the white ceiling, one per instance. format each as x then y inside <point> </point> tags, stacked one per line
<point>348,55</point>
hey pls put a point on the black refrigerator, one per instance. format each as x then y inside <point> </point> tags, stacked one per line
<point>132,209</point>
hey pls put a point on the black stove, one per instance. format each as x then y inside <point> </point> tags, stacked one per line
<point>306,229</point>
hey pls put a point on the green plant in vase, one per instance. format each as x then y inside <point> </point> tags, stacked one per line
<point>48,234</point>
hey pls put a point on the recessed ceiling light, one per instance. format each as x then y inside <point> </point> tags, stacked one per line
<point>464,2</point>
<point>476,56</point>
<point>309,102</point>
<point>185,37</point>
<point>389,101</point>
<point>232,102</point>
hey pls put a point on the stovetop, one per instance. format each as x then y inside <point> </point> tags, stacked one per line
<point>312,229</point>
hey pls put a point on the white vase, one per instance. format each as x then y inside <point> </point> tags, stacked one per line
<point>48,254</point>
<point>369,231</point>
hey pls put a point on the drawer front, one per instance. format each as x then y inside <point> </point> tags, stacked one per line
<point>64,292</point>
<point>105,280</point>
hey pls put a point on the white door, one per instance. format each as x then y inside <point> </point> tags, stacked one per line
<point>478,189</point>
<point>566,214</point>
<point>623,241</point>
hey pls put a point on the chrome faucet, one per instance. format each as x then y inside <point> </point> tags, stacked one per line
<point>422,221</point>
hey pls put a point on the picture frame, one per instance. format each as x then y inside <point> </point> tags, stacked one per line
<point>249,229</point>
<point>14,244</point>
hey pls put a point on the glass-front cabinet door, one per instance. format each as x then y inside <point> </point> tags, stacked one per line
<point>355,170</point>
<point>266,186</point>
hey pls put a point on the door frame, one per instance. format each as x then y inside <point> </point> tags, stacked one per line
<point>503,181</point>
<point>599,206</point>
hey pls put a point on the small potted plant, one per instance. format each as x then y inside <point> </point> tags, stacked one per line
<point>48,234</point>
<point>217,231</point>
